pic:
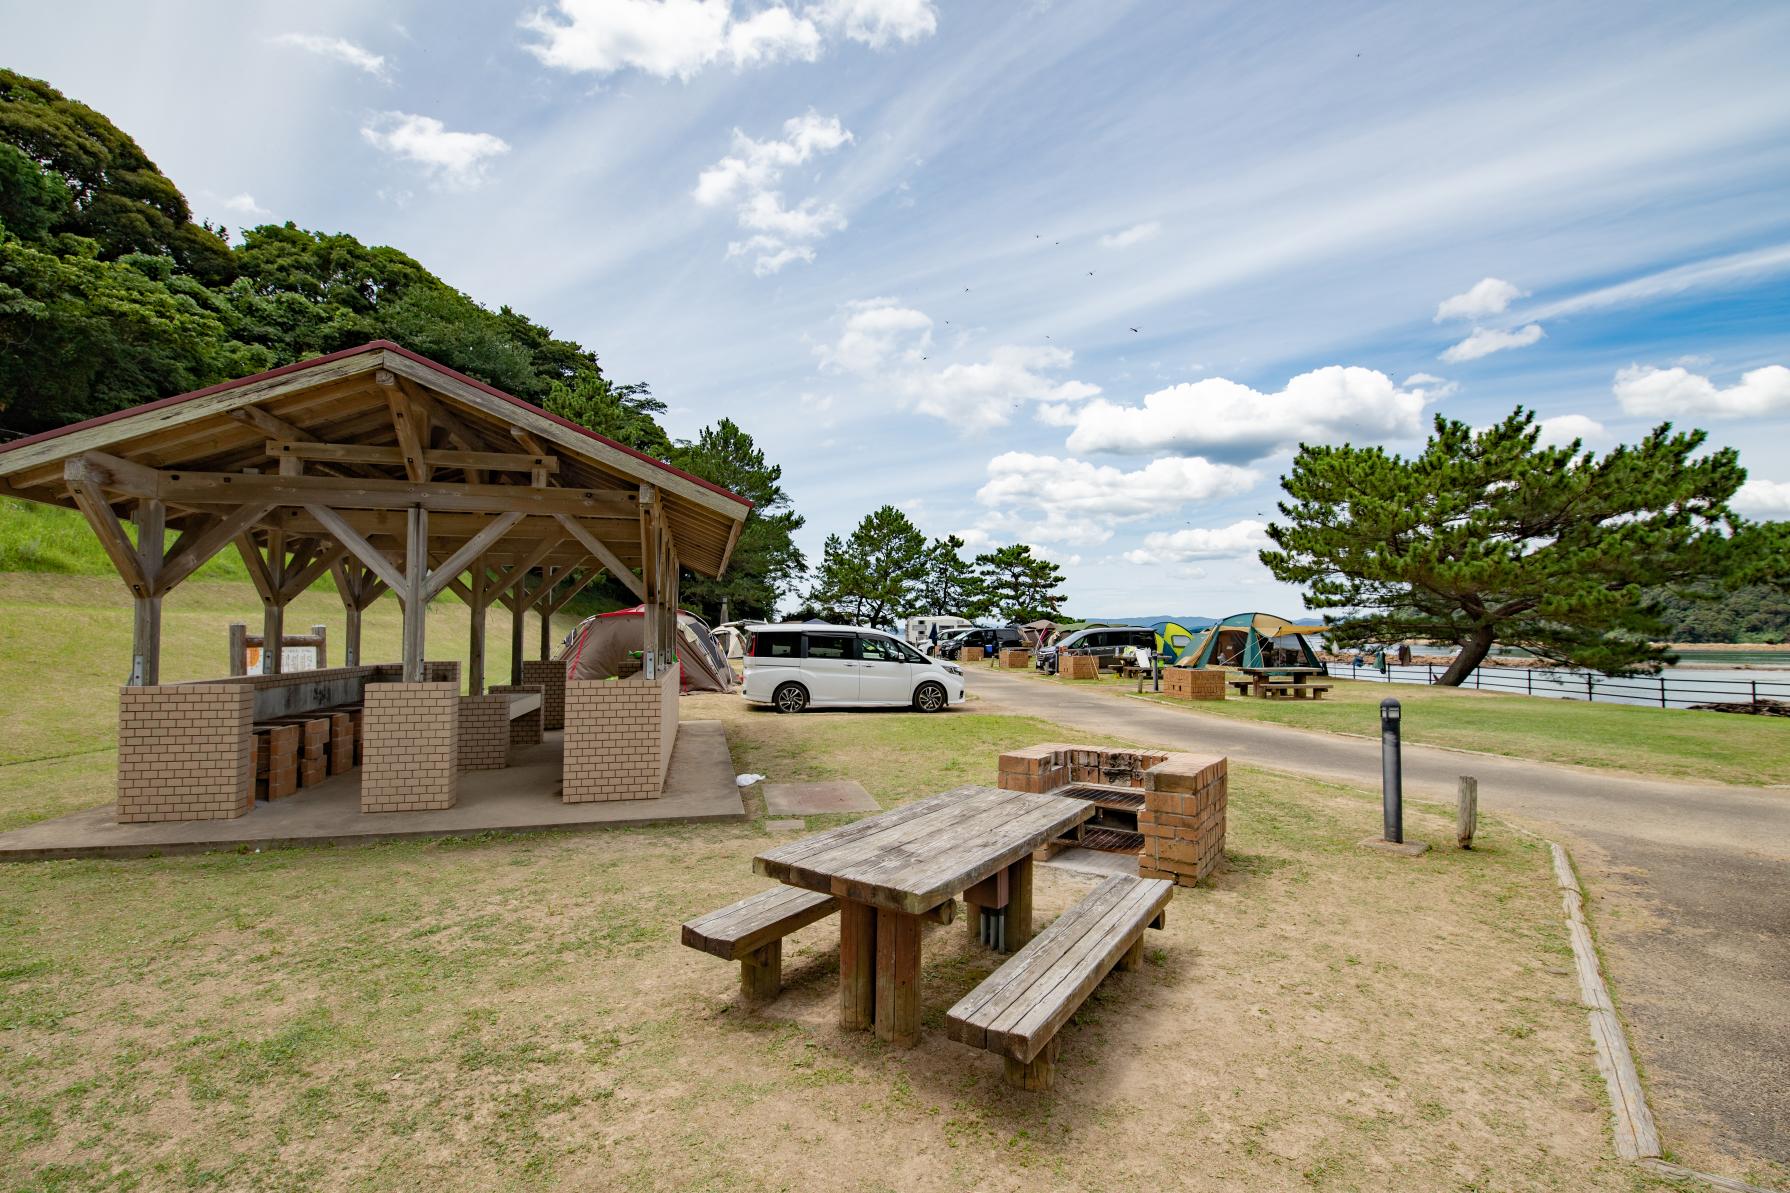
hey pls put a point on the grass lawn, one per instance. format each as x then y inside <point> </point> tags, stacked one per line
<point>516,1012</point>
<point>1675,743</point>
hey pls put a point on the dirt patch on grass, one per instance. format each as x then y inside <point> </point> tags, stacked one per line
<point>517,1012</point>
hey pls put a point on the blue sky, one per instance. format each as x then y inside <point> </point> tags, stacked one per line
<point>905,242</point>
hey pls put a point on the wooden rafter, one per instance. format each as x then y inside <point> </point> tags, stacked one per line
<point>604,555</point>
<point>356,453</point>
<point>198,544</point>
<point>375,560</point>
<point>412,432</point>
<point>469,553</point>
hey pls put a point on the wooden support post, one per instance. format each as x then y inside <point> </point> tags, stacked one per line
<point>1133,958</point>
<point>239,648</point>
<point>351,636</point>
<point>146,624</point>
<point>416,580</point>
<point>273,607</point>
<point>475,654</point>
<point>857,965</point>
<point>897,978</point>
<point>761,973</point>
<point>1019,904</point>
<point>1466,812</point>
<point>518,613</point>
<point>1039,1075</point>
<point>545,603</point>
<point>321,633</point>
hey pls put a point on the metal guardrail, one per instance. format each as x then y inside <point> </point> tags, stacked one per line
<point>1662,691</point>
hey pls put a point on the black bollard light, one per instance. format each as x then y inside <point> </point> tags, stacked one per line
<point>1392,779</point>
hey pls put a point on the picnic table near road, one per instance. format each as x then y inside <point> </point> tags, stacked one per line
<point>890,872</point>
<point>1280,682</point>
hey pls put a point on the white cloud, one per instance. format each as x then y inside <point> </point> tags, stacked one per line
<point>1074,502</point>
<point>877,23</point>
<point>242,204</point>
<point>1486,340</point>
<point>1219,417</point>
<point>1768,500</point>
<point>1435,388</point>
<point>1238,539</point>
<point>455,159</point>
<point>1136,234</point>
<point>747,178</point>
<point>891,346</point>
<point>1488,296</point>
<point>678,38</point>
<point>1563,429</point>
<point>339,48</point>
<point>1644,390</point>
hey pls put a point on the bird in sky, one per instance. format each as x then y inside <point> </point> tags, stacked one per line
<point>1134,329</point>
<point>1090,273</point>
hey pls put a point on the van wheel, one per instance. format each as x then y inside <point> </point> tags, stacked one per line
<point>791,697</point>
<point>930,697</point>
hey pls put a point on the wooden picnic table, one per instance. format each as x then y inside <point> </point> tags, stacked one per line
<point>891,871</point>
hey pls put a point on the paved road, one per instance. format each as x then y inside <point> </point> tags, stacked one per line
<point>1690,888</point>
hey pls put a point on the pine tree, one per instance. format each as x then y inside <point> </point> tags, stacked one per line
<point>873,576</point>
<point>1487,538</point>
<point>1019,585</point>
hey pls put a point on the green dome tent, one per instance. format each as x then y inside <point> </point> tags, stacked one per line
<point>1254,640</point>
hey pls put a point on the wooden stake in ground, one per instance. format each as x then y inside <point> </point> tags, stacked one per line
<point>1466,812</point>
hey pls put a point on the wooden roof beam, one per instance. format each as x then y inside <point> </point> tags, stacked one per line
<point>365,454</point>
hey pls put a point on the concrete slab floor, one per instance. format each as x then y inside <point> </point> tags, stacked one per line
<point>522,797</point>
<point>816,799</point>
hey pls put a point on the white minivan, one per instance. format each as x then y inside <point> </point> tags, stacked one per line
<point>795,666</point>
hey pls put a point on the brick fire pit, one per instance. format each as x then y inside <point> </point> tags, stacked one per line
<point>1176,802</point>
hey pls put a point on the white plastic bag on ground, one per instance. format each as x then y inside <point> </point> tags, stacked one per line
<point>748,780</point>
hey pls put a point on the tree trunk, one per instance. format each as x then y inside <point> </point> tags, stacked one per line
<point>1473,652</point>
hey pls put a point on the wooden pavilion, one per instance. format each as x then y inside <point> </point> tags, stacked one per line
<point>394,474</point>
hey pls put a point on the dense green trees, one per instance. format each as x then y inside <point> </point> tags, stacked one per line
<point>110,294</point>
<point>1019,585</point>
<point>766,562</point>
<point>872,576</point>
<point>1487,537</point>
<point>950,586</point>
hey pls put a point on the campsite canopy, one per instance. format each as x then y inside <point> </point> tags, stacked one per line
<point>597,648</point>
<point>1176,637</point>
<point>1254,640</point>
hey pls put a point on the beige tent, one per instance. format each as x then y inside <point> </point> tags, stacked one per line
<point>601,645</point>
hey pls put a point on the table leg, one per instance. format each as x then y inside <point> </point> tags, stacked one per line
<point>1019,903</point>
<point>898,978</point>
<point>857,965</point>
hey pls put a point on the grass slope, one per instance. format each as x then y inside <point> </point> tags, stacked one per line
<point>517,1013</point>
<point>1671,742</point>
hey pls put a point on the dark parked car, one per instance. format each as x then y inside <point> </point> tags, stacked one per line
<point>978,640</point>
<point>1106,642</point>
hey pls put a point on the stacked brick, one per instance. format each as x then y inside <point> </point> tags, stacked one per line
<point>1015,658</point>
<point>484,732</point>
<point>619,737</point>
<point>1185,798</point>
<point>1046,767</point>
<point>550,676</point>
<point>276,761</point>
<point>526,730</point>
<point>341,741</point>
<point>185,752</point>
<point>1188,683</point>
<point>1078,666</point>
<point>410,750</point>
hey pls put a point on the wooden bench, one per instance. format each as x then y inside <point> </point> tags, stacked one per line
<point>1016,1013</point>
<point>1243,686</point>
<point>1298,691</point>
<point>752,931</point>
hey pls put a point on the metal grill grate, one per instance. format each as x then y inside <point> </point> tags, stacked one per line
<point>1111,840</point>
<point>1106,797</point>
